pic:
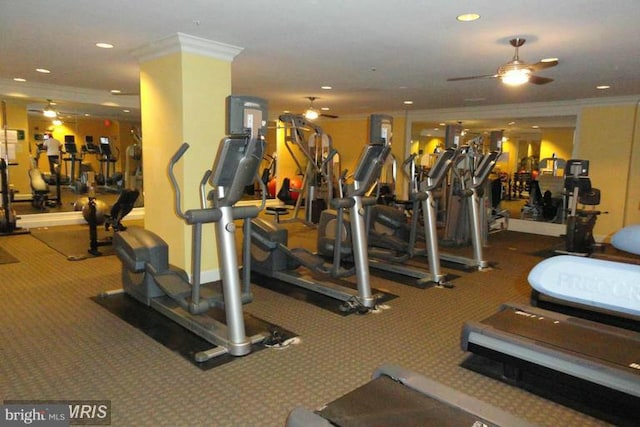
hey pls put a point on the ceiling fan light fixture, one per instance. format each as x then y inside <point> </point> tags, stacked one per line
<point>515,77</point>
<point>311,114</point>
<point>49,111</point>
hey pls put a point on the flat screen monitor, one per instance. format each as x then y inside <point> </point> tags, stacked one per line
<point>105,148</point>
<point>575,167</point>
<point>380,126</point>
<point>70,147</point>
<point>246,115</point>
<point>69,138</point>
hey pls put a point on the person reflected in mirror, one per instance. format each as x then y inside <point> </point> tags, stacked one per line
<point>52,146</point>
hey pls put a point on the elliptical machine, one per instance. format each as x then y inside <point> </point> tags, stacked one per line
<point>469,203</point>
<point>272,257</point>
<point>392,242</point>
<point>146,273</point>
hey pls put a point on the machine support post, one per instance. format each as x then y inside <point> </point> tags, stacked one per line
<point>476,229</point>
<point>196,261</point>
<point>225,237</point>
<point>431,239</point>
<point>360,253</point>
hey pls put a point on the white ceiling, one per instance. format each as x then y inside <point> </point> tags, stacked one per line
<point>375,54</point>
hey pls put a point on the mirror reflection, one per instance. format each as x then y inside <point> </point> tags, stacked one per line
<point>530,168</point>
<point>56,162</point>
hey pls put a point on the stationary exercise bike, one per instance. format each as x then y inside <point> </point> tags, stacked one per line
<point>272,257</point>
<point>579,238</point>
<point>146,273</point>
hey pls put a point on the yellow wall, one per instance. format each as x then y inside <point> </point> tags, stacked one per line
<point>351,135</point>
<point>606,138</point>
<point>558,141</point>
<point>632,210</point>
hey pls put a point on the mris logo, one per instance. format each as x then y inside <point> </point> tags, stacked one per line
<point>55,412</point>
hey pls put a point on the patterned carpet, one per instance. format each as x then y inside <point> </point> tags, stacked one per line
<point>56,343</point>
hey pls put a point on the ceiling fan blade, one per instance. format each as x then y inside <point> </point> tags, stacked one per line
<point>486,76</point>
<point>541,65</point>
<point>330,116</point>
<point>537,80</point>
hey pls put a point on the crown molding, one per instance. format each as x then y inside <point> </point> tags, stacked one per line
<point>180,42</point>
<point>533,109</point>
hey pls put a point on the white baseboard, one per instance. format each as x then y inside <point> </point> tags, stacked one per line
<point>53,219</point>
<point>537,227</point>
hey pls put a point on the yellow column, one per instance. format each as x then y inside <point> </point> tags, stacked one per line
<point>184,81</point>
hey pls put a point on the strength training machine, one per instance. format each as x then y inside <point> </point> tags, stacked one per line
<point>316,189</point>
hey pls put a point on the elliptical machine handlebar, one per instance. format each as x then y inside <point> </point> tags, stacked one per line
<point>409,159</point>
<point>174,183</point>
<point>192,216</point>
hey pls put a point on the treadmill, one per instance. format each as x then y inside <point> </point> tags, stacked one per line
<point>400,397</point>
<point>594,289</point>
<point>592,367</point>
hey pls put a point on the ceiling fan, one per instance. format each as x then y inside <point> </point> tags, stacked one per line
<point>51,111</point>
<point>48,110</point>
<point>312,113</point>
<point>517,72</point>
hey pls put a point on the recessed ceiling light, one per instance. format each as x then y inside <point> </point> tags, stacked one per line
<point>126,111</point>
<point>603,87</point>
<point>326,87</point>
<point>535,127</point>
<point>104,45</point>
<point>115,91</point>
<point>443,124</point>
<point>511,123</point>
<point>325,108</point>
<point>407,102</point>
<point>468,17</point>
<point>43,70</point>
<point>19,79</point>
